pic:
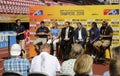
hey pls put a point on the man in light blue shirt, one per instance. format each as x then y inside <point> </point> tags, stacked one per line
<point>55,32</point>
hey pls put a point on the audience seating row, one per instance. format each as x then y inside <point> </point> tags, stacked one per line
<point>31,74</point>
<point>17,6</point>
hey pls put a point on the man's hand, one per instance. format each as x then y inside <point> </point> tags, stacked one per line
<point>20,33</point>
<point>66,39</point>
<point>24,54</point>
<point>101,36</point>
<point>40,33</point>
<point>91,41</point>
<point>81,40</point>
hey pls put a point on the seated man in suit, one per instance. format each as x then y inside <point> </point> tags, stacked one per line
<point>66,39</point>
<point>80,34</point>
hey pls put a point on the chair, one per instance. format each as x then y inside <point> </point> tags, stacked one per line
<point>37,74</point>
<point>62,75</point>
<point>105,60</point>
<point>11,74</point>
<point>107,48</point>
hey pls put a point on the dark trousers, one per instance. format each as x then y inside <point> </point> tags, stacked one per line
<point>82,44</point>
<point>65,47</point>
<point>90,48</point>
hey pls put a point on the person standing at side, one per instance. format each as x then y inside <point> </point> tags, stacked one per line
<point>19,30</point>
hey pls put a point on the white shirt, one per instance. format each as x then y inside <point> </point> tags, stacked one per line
<point>45,63</point>
<point>80,35</point>
<point>66,33</point>
<point>106,73</point>
<point>67,67</point>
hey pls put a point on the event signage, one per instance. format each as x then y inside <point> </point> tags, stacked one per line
<point>4,38</point>
<point>84,14</point>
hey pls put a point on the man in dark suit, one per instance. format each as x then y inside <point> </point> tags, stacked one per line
<point>80,34</point>
<point>66,39</point>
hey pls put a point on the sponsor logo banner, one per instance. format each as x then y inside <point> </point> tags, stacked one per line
<point>4,39</point>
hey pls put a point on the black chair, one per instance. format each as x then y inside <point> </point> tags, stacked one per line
<point>37,74</point>
<point>62,75</point>
<point>10,73</point>
<point>108,48</point>
<point>104,59</point>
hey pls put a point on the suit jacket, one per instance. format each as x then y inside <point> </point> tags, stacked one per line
<point>70,34</point>
<point>83,33</point>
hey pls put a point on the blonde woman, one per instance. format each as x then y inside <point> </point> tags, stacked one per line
<point>83,65</point>
<point>55,32</point>
<point>68,65</point>
<point>116,52</point>
<point>114,67</point>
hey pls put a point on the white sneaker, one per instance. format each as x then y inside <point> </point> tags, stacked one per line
<point>93,56</point>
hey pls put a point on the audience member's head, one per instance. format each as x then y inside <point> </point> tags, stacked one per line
<point>83,64</point>
<point>15,50</point>
<point>37,47</point>
<point>76,50</point>
<point>114,67</point>
<point>116,52</point>
<point>45,48</point>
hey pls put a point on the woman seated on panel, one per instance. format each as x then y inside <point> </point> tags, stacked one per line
<point>94,34</point>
